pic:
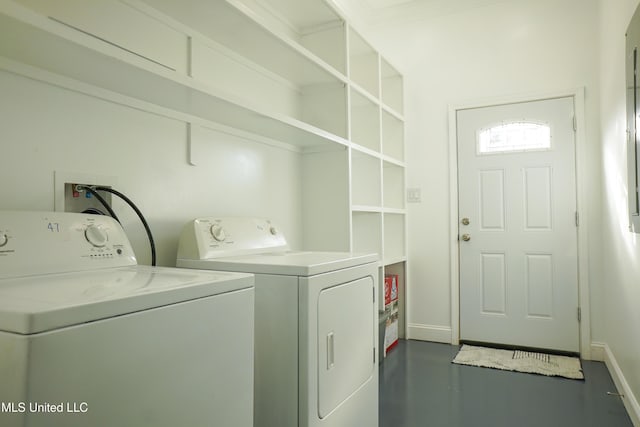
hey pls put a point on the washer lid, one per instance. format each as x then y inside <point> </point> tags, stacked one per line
<point>284,263</point>
<point>40,303</point>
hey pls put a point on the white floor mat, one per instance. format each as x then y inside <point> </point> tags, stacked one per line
<point>520,361</point>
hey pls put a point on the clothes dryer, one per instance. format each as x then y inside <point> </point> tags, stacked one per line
<point>315,326</point>
<point>90,338</point>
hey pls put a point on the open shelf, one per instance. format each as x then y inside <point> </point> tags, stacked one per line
<point>363,64</point>
<point>367,234</point>
<point>245,31</point>
<point>365,180</point>
<point>393,185</point>
<point>394,237</point>
<point>399,268</point>
<point>391,86</point>
<point>365,121</point>
<point>33,39</point>
<point>392,136</point>
<point>234,46</point>
<point>311,23</point>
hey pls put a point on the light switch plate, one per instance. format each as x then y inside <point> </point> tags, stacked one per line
<point>414,195</point>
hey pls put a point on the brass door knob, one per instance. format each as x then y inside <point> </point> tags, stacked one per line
<point>466,237</point>
<point>465,221</point>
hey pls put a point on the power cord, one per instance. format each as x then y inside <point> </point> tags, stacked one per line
<point>94,189</point>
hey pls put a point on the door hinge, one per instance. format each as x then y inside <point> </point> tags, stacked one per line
<point>577,219</point>
<point>579,314</point>
<point>575,124</point>
<point>374,355</point>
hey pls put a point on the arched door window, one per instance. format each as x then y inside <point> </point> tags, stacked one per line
<point>514,136</point>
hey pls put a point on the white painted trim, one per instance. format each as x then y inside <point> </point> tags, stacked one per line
<point>629,400</point>
<point>581,194</point>
<point>583,228</point>
<point>453,227</point>
<point>597,351</point>
<point>429,333</point>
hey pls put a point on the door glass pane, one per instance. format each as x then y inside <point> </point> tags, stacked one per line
<point>514,136</point>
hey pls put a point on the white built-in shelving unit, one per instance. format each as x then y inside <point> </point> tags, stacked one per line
<point>284,72</point>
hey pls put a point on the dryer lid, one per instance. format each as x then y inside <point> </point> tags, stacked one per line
<point>284,263</point>
<point>40,303</point>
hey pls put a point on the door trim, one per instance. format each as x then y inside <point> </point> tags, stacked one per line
<point>582,198</point>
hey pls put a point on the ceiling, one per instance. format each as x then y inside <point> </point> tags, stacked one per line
<point>379,4</point>
<point>372,13</point>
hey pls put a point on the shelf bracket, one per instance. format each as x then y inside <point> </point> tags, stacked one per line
<point>191,145</point>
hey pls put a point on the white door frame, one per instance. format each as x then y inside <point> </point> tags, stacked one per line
<point>581,197</point>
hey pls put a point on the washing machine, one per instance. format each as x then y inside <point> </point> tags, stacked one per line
<point>315,322</point>
<point>90,338</point>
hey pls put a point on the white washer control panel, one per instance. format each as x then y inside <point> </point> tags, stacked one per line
<point>212,237</point>
<point>56,242</point>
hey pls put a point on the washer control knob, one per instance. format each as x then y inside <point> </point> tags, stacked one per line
<point>96,236</point>
<point>218,233</point>
<point>273,230</point>
<point>3,239</point>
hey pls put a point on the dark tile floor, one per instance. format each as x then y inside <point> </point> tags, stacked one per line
<point>420,387</point>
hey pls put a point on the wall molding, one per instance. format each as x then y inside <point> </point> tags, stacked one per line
<point>597,351</point>
<point>629,400</point>
<point>416,331</point>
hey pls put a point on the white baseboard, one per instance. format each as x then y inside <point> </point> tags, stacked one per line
<point>429,333</point>
<point>629,400</point>
<point>597,351</point>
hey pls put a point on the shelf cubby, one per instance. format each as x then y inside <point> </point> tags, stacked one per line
<point>393,185</point>
<point>365,121</point>
<point>365,180</point>
<point>394,237</point>
<point>363,64</point>
<point>400,269</point>
<point>392,87</point>
<point>312,24</point>
<point>392,136</point>
<point>367,234</point>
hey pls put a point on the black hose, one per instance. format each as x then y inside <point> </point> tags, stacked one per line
<point>135,208</point>
<point>101,199</point>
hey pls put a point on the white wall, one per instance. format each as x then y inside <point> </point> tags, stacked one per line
<point>621,249</point>
<point>501,49</point>
<point>44,129</point>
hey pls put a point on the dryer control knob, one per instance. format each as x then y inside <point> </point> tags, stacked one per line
<point>273,231</point>
<point>3,240</point>
<point>96,236</point>
<point>218,233</point>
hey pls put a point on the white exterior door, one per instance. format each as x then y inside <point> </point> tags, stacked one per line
<point>518,225</point>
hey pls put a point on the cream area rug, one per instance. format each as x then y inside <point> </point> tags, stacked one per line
<point>520,361</point>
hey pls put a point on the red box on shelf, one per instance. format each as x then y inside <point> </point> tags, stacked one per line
<point>390,288</point>
<point>391,333</point>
